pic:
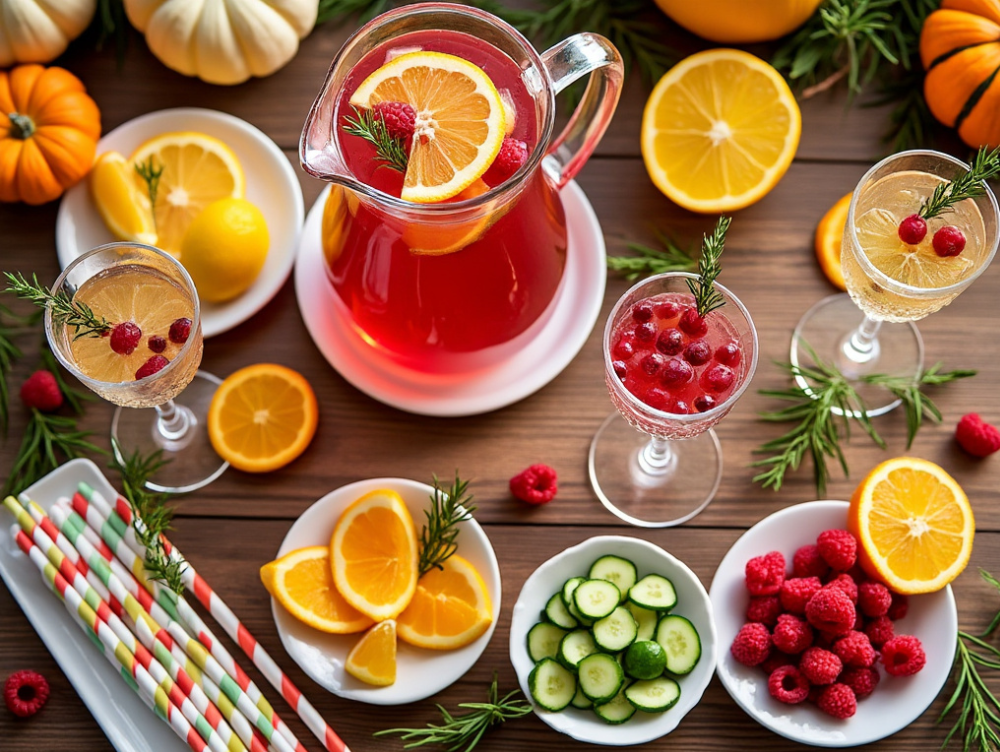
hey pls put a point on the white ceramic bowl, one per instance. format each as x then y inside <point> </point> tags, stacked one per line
<point>420,673</point>
<point>692,602</point>
<point>895,704</point>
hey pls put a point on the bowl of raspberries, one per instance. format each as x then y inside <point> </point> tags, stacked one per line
<point>812,647</point>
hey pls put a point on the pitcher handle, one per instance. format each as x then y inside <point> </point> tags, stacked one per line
<point>565,62</point>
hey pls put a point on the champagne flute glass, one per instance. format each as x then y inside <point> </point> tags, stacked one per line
<point>657,462</point>
<point>157,368</point>
<point>891,284</point>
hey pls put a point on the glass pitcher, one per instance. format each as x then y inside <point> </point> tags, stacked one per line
<point>466,282</point>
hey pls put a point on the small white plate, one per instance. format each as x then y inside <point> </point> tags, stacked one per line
<point>127,722</point>
<point>895,704</point>
<point>692,602</point>
<point>271,185</point>
<point>419,673</point>
<point>571,319</point>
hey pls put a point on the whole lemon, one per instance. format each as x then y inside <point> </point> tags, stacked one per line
<point>224,248</point>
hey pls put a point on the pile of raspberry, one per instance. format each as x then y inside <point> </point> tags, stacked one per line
<point>819,632</point>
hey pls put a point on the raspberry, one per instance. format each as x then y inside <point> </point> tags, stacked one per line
<point>899,608</point>
<point>862,681</point>
<point>839,701</point>
<point>399,117</point>
<point>903,656</point>
<point>675,372</point>
<point>652,363</point>
<point>156,343</point>
<point>698,353</point>
<point>776,659</point>
<point>913,229</point>
<point>855,650</point>
<point>846,584</point>
<point>874,599</point>
<point>978,438</point>
<point>820,666</point>
<point>642,312</point>
<point>752,644</point>
<point>693,324</point>
<point>948,241</point>
<point>536,485</point>
<point>667,310</point>
<point>25,693</point>
<point>180,330</point>
<point>718,378</point>
<point>728,354</point>
<point>153,365</point>
<point>838,548</point>
<point>670,342</point>
<point>808,563</point>
<point>41,392</point>
<point>787,684</point>
<point>765,574</point>
<point>792,635</point>
<point>765,609</point>
<point>796,592</point>
<point>125,337</point>
<point>645,332</point>
<point>513,154</point>
<point>625,347</point>
<point>831,611</point>
<point>704,402</point>
<point>880,630</point>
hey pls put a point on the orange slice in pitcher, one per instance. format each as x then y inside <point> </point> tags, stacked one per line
<point>460,120</point>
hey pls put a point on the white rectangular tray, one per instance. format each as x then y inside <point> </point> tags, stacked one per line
<point>128,723</point>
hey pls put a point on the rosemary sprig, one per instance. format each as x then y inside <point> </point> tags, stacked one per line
<point>985,165</point>
<point>339,10</point>
<point>670,258</point>
<point>151,175</point>
<point>12,326</point>
<point>448,508</point>
<point>390,151</point>
<point>706,297</point>
<point>917,404</point>
<point>464,730</point>
<point>151,510</point>
<point>73,313</point>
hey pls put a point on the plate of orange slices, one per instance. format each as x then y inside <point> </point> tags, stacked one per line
<point>353,610</point>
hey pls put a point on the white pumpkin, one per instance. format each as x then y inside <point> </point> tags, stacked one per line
<point>223,41</point>
<point>37,31</point>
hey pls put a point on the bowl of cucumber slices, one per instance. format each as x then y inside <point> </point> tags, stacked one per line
<point>613,640</point>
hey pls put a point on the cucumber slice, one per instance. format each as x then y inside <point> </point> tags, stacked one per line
<point>567,590</point>
<point>618,709</point>
<point>580,699</point>
<point>600,677</point>
<point>543,640</point>
<point>551,685</point>
<point>556,613</point>
<point>645,620</point>
<point>616,631</point>
<point>654,695</point>
<point>574,647</point>
<point>616,570</point>
<point>680,639</point>
<point>595,599</point>
<point>653,592</point>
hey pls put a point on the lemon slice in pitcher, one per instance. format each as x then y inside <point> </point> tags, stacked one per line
<point>460,120</point>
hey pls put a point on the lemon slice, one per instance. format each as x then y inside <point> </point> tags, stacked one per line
<point>198,170</point>
<point>719,131</point>
<point>460,121</point>
<point>122,205</point>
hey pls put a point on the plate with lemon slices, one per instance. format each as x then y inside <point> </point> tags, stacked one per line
<point>352,610</point>
<point>227,203</point>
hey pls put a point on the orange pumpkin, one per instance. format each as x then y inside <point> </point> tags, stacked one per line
<point>960,50</point>
<point>48,133</point>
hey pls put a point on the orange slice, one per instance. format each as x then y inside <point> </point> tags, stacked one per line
<point>829,237</point>
<point>915,525</point>
<point>460,120</point>
<point>302,582</point>
<point>450,608</point>
<point>373,553</point>
<point>445,237</point>
<point>262,417</point>
<point>124,208</point>
<point>373,659</point>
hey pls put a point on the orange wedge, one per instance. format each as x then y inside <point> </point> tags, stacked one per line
<point>302,582</point>
<point>373,659</point>
<point>829,236</point>
<point>373,553</point>
<point>914,523</point>
<point>450,608</point>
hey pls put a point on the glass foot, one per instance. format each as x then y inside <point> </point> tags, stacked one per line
<point>193,462</point>
<point>653,495</point>
<point>828,325</point>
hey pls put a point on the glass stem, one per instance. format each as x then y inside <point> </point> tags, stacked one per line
<point>657,457</point>
<point>860,349</point>
<point>172,423</point>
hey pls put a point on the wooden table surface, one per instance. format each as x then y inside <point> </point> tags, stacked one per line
<point>236,524</point>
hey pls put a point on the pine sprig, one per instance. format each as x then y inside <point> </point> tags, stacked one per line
<point>670,258</point>
<point>985,165</point>
<point>438,536</point>
<point>73,313</point>
<point>706,297</point>
<point>389,151</point>
<point>464,730</point>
